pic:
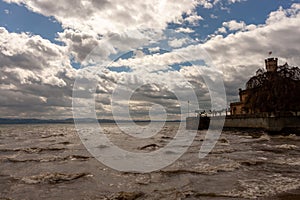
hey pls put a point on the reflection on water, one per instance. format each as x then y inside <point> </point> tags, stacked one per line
<point>50,162</point>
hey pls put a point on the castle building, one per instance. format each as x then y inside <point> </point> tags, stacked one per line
<point>271,64</point>
<point>239,108</point>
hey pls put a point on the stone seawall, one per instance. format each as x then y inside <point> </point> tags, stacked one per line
<point>192,123</point>
<point>267,123</point>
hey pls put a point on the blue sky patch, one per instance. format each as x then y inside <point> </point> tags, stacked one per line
<point>16,18</point>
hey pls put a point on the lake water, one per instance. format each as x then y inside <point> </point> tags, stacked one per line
<point>50,162</point>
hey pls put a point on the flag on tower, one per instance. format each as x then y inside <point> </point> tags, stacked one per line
<point>270,53</point>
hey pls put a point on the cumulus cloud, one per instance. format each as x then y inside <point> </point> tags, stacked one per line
<point>240,54</point>
<point>37,77</point>
<point>222,30</point>
<point>255,42</point>
<point>213,16</point>
<point>178,42</point>
<point>233,25</point>
<point>87,23</point>
<point>193,18</point>
<point>111,26</point>
<point>6,11</point>
<point>184,30</point>
<point>104,16</point>
<point>206,3</point>
<point>234,1</point>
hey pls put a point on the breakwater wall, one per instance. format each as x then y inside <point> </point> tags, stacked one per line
<point>275,124</point>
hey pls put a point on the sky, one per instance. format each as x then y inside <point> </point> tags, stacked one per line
<point>152,58</point>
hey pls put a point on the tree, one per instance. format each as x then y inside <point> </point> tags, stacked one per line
<point>274,91</point>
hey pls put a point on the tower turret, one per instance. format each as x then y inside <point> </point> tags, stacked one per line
<point>271,64</point>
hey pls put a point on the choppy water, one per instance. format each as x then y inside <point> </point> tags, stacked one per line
<point>50,162</point>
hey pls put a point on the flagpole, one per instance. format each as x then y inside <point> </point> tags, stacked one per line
<point>188,108</point>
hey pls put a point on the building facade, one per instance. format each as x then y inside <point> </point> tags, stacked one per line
<point>240,108</point>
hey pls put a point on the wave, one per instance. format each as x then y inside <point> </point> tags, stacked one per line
<point>269,186</point>
<point>53,178</point>
<point>127,195</point>
<point>250,139</point>
<point>205,169</point>
<point>287,146</point>
<point>287,161</point>
<point>150,147</point>
<point>221,151</point>
<point>53,135</point>
<point>33,149</point>
<point>278,149</point>
<point>293,137</point>
<point>71,157</point>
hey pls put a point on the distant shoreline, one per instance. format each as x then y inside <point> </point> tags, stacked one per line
<point>7,121</point>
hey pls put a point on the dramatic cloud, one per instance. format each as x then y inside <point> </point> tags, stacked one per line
<point>104,16</point>
<point>36,76</point>
<point>240,54</point>
<point>89,22</point>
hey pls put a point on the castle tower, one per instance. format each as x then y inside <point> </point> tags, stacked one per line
<point>271,64</point>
